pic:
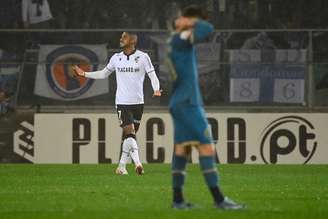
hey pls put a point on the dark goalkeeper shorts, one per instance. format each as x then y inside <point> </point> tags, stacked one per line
<point>129,114</point>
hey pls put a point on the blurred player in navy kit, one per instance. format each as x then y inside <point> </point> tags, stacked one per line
<point>186,107</point>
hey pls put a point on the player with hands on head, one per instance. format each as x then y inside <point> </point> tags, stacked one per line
<point>191,127</point>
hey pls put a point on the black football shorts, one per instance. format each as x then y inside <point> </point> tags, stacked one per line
<point>129,114</point>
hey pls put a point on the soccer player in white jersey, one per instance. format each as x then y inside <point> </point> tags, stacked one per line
<point>131,66</point>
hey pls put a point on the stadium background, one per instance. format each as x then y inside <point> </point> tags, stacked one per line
<point>263,75</point>
<point>266,56</point>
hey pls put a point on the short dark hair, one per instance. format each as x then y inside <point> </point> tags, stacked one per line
<point>132,34</point>
<point>194,11</point>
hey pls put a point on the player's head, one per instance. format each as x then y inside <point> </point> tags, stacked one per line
<point>194,11</point>
<point>189,13</point>
<point>128,40</point>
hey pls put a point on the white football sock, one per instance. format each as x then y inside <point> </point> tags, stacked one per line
<point>125,153</point>
<point>134,150</point>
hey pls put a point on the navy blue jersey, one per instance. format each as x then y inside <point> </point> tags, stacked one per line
<point>183,62</point>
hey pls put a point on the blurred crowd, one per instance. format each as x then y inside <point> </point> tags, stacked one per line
<point>6,99</point>
<point>64,14</point>
<point>157,14</point>
<point>9,69</point>
<point>4,102</point>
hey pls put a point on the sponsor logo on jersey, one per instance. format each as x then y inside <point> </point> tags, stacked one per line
<point>128,69</point>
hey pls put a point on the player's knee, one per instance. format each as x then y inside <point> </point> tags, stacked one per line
<point>206,150</point>
<point>180,150</point>
<point>129,129</point>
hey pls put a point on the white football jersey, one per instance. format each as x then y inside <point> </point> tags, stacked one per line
<point>130,74</point>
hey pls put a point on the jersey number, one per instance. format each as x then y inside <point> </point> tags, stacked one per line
<point>119,113</point>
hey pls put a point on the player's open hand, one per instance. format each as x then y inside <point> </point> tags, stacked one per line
<point>78,71</point>
<point>157,93</point>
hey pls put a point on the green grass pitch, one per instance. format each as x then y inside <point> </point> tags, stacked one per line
<point>94,191</point>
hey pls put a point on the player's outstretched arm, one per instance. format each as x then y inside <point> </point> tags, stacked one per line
<point>104,73</point>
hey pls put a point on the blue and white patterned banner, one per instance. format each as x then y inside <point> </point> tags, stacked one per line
<point>281,80</point>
